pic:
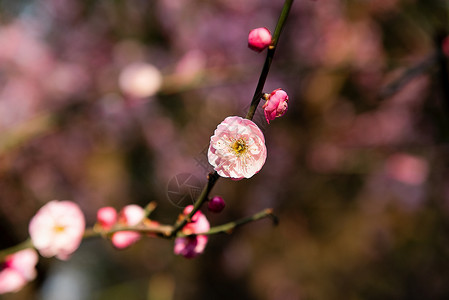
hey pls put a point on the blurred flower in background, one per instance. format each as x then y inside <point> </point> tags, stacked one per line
<point>140,80</point>
<point>57,229</point>
<point>17,270</point>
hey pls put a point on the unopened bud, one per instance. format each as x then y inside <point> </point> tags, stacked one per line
<point>259,39</point>
<point>216,204</point>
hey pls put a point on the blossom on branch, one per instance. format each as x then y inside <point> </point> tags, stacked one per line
<point>276,105</point>
<point>130,215</point>
<point>192,245</point>
<point>57,229</point>
<point>237,148</point>
<point>17,270</point>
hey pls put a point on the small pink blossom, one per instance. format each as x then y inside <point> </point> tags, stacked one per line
<point>276,105</point>
<point>198,224</point>
<point>259,39</point>
<point>237,148</point>
<point>18,269</point>
<point>130,215</point>
<point>107,217</point>
<point>192,246</point>
<point>124,239</point>
<point>57,229</point>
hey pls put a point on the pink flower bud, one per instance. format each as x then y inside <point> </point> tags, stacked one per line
<point>107,217</point>
<point>259,39</point>
<point>19,268</point>
<point>276,105</point>
<point>57,229</point>
<point>216,204</point>
<point>124,239</point>
<point>130,215</point>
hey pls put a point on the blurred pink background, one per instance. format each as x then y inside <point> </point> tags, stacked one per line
<point>103,102</point>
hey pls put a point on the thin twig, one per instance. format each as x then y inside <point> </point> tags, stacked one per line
<point>229,227</point>
<point>203,197</point>
<point>409,74</point>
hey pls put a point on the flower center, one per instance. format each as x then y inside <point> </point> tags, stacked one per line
<point>59,228</point>
<point>239,146</point>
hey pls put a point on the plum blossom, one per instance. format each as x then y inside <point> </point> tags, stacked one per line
<point>17,270</point>
<point>57,229</point>
<point>193,245</point>
<point>237,148</point>
<point>259,39</point>
<point>276,105</point>
<point>130,215</point>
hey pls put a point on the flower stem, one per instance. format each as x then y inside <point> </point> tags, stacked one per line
<point>229,227</point>
<point>24,245</point>
<point>270,54</point>
<point>211,180</point>
<point>158,230</point>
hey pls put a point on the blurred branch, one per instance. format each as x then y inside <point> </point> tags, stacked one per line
<point>27,130</point>
<point>24,245</point>
<point>162,231</point>
<point>409,74</point>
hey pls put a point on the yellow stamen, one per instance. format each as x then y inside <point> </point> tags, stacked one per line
<point>59,228</point>
<point>239,146</point>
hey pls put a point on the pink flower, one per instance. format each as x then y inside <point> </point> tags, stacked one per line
<point>107,217</point>
<point>198,224</point>
<point>259,39</point>
<point>130,215</point>
<point>192,246</point>
<point>276,105</point>
<point>237,148</point>
<point>18,270</point>
<point>57,229</point>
